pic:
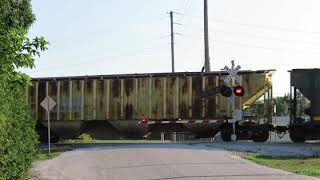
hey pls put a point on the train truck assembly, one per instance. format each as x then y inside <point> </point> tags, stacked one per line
<point>118,106</point>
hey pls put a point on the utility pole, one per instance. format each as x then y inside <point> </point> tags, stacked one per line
<point>172,40</point>
<point>206,38</point>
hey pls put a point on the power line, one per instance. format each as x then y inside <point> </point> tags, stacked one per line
<point>246,45</point>
<point>233,43</point>
<point>311,44</point>
<point>276,28</point>
<point>265,26</point>
<point>95,61</point>
<point>250,35</point>
<point>186,7</point>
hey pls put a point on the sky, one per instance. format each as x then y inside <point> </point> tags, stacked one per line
<point>119,37</point>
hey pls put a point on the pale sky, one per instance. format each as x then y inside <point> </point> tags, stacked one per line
<point>131,36</point>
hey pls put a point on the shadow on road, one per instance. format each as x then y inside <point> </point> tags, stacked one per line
<point>174,164</point>
<point>93,147</point>
<point>224,176</point>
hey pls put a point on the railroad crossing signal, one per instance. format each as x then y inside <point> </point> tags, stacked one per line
<point>237,91</point>
<point>233,73</point>
<point>227,91</point>
<point>237,116</point>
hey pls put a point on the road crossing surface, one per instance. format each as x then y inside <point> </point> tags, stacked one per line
<point>154,162</point>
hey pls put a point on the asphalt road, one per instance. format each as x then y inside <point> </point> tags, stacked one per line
<point>153,162</point>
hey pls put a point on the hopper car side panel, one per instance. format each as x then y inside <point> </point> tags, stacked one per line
<point>121,101</point>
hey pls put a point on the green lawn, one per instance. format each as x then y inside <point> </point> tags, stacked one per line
<point>80,141</point>
<point>41,155</point>
<point>301,165</point>
<point>85,138</point>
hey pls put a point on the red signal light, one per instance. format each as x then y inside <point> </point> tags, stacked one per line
<point>225,91</point>
<point>143,121</point>
<point>238,91</point>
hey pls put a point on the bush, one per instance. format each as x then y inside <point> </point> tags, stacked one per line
<point>85,137</point>
<point>17,134</point>
<point>17,128</point>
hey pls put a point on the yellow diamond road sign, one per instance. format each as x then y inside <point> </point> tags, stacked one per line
<point>48,103</point>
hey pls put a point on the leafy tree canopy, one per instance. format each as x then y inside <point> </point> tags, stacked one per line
<point>15,14</point>
<point>16,50</point>
<point>17,128</point>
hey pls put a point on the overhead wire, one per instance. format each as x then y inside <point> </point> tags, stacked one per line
<point>312,44</point>
<point>96,60</point>
<point>241,44</point>
<point>259,26</point>
<point>233,43</point>
<point>186,7</point>
<point>270,38</point>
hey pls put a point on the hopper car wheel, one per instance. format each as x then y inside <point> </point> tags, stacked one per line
<point>54,138</point>
<point>296,135</point>
<point>43,134</point>
<point>261,136</point>
<point>226,134</point>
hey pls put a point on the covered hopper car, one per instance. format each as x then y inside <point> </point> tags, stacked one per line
<point>113,106</point>
<point>305,126</point>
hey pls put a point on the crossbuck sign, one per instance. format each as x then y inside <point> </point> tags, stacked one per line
<point>233,72</point>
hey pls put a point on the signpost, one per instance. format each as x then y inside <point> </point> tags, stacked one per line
<point>237,114</point>
<point>48,103</point>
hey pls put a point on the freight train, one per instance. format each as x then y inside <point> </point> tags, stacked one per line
<point>136,105</point>
<point>133,105</point>
<point>307,83</point>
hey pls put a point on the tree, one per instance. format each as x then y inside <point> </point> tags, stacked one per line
<point>15,14</point>
<point>302,104</point>
<point>282,105</point>
<point>17,128</point>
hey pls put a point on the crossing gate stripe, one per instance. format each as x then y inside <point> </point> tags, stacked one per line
<point>184,121</point>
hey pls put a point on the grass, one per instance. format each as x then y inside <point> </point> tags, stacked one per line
<point>300,165</point>
<point>41,155</point>
<point>80,141</point>
<point>87,139</point>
